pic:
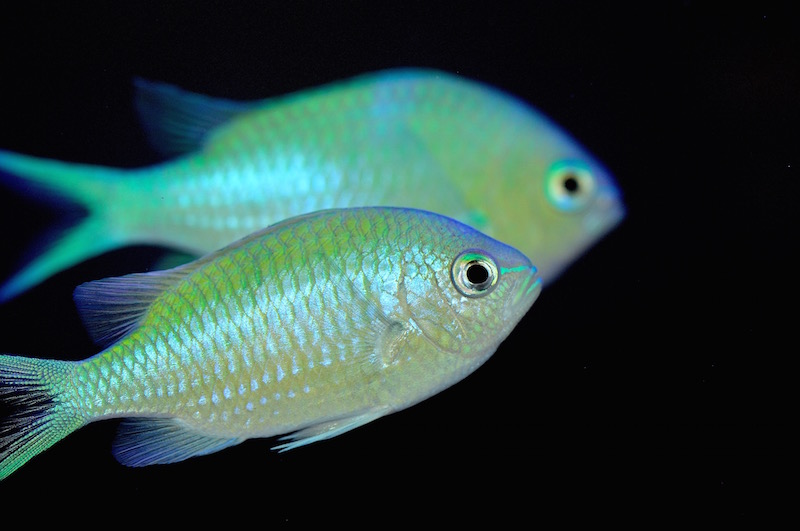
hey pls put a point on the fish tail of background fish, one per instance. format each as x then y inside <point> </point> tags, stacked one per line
<point>38,408</point>
<point>91,187</point>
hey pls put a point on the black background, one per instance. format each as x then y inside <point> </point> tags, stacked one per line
<point>651,382</point>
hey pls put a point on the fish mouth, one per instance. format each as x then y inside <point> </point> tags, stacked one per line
<point>530,286</point>
<point>608,212</point>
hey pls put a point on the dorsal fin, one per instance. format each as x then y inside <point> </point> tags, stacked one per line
<point>112,307</point>
<point>178,121</point>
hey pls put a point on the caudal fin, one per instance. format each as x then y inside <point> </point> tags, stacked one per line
<point>91,187</point>
<point>41,411</point>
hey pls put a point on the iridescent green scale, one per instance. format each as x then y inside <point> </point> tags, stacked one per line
<point>407,138</point>
<point>311,327</point>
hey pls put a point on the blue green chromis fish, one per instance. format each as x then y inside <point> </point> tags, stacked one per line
<point>411,138</point>
<point>311,327</point>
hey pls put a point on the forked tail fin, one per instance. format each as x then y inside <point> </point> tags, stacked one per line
<point>91,187</point>
<point>40,405</point>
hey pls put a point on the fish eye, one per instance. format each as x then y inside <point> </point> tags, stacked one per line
<point>570,185</point>
<point>474,274</point>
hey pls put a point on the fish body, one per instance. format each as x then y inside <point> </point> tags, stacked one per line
<point>411,138</point>
<point>311,327</point>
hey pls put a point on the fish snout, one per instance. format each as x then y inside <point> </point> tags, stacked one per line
<point>528,287</point>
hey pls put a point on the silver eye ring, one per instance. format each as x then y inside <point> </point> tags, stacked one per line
<point>474,273</point>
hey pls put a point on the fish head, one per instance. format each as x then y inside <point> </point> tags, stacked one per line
<point>491,289</point>
<point>544,193</point>
<point>522,178</point>
<point>559,200</point>
<point>460,302</point>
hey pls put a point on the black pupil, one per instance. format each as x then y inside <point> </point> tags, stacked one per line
<point>571,184</point>
<point>477,274</point>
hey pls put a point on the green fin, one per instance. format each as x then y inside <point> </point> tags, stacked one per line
<point>142,442</point>
<point>331,428</point>
<point>112,307</point>
<point>87,239</point>
<point>64,184</point>
<point>33,394</point>
<point>178,121</point>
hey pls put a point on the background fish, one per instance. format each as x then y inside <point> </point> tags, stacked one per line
<point>316,325</point>
<point>415,138</point>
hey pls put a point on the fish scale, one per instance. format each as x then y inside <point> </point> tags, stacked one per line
<point>411,138</point>
<point>311,327</point>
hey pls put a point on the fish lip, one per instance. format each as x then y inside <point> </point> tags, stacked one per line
<point>531,284</point>
<point>613,204</point>
<point>609,210</point>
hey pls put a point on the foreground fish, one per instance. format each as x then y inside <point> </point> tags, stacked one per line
<point>316,325</point>
<point>412,138</point>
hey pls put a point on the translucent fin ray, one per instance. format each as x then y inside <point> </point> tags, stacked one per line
<point>143,442</point>
<point>178,121</point>
<point>332,428</point>
<point>38,419</point>
<point>112,307</point>
<point>65,185</point>
<point>86,239</point>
